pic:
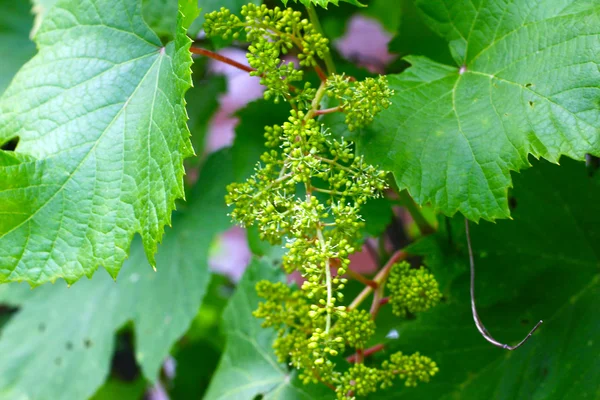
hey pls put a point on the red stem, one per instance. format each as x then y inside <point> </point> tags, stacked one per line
<point>223,59</point>
<point>322,75</point>
<point>376,302</point>
<point>229,61</point>
<point>328,110</point>
<point>360,278</point>
<point>379,278</point>
<point>366,353</point>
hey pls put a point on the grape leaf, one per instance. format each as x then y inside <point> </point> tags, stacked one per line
<point>100,115</point>
<point>543,265</point>
<point>526,81</point>
<point>161,16</point>
<point>248,359</point>
<point>324,3</point>
<point>416,38</point>
<point>15,46</point>
<point>66,334</point>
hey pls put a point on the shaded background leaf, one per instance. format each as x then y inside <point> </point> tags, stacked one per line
<point>60,343</point>
<point>15,46</point>
<point>543,265</point>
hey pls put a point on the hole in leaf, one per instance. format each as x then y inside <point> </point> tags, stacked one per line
<point>11,145</point>
<point>592,163</point>
<point>124,365</point>
<point>528,85</point>
<point>512,203</point>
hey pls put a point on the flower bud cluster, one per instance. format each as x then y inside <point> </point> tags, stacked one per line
<point>412,369</point>
<point>361,380</point>
<point>412,290</point>
<point>272,33</point>
<point>301,341</point>
<point>309,192</point>
<point>302,344</point>
<point>357,328</point>
<point>362,100</point>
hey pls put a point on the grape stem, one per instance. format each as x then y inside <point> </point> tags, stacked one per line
<point>228,61</point>
<point>362,279</point>
<point>314,20</point>
<point>366,353</point>
<point>219,57</point>
<point>328,110</point>
<point>379,278</point>
<point>327,282</point>
<point>376,302</point>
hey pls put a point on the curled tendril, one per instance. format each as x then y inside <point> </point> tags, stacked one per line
<point>480,327</point>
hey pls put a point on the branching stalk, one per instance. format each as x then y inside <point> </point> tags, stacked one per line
<point>314,20</point>
<point>327,281</point>
<point>379,278</point>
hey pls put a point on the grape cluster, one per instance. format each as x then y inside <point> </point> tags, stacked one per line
<point>304,345</point>
<point>412,290</point>
<point>307,192</point>
<point>362,100</point>
<point>272,33</point>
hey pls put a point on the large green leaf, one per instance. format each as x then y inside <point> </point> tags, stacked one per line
<point>543,265</point>
<point>160,15</point>
<point>15,46</point>
<point>59,345</point>
<point>100,115</point>
<point>248,367</point>
<point>526,81</point>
